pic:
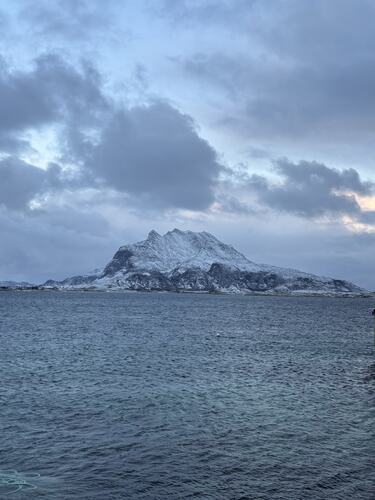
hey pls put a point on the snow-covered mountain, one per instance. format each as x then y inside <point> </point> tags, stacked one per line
<point>190,261</point>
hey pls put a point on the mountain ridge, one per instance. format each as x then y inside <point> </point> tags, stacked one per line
<point>198,262</point>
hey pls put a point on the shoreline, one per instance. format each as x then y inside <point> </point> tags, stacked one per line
<point>197,292</point>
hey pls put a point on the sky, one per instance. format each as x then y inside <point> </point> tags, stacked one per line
<point>252,120</point>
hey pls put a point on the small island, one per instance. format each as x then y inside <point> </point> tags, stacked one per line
<point>187,261</point>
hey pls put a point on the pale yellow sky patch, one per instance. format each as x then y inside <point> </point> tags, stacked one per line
<point>367,203</point>
<point>357,227</point>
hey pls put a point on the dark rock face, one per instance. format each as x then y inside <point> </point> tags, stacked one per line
<point>339,286</point>
<point>343,286</point>
<point>253,281</point>
<point>220,277</point>
<point>121,260</point>
<point>74,281</point>
<point>192,279</point>
<point>147,282</point>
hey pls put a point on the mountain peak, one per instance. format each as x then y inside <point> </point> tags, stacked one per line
<point>153,235</point>
<point>178,250</point>
<point>203,235</point>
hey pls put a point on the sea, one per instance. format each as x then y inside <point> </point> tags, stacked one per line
<point>177,396</point>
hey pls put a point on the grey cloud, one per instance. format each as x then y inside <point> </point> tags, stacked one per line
<point>311,189</point>
<point>300,70</point>
<point>231,204</point>
<point>52,92</point>
<point>207,11</point>
<point>11,143</point>
<point>22,101</point>
<point>276,100</point>
<point>258,153</point>
<point>368,217</point>
<point>67,18</point>
<point>326,35</point>
<point>19,182</point>
<point>153,153</point>
<point>4,22</point>
<point>54,243</point>
<point>83,221</point>
<point>281,28</point>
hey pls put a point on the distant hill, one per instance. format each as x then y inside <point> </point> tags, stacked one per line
<point>16,284</point>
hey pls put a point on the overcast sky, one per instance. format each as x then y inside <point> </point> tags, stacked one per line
<point>252,120</point>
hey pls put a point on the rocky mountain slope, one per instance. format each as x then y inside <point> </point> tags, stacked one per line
<point>190,261</point>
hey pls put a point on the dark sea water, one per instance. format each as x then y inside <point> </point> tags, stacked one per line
<point>173,396</point>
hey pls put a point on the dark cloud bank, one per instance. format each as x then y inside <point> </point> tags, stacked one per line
<point>52,92</point>
<point>301,69</point>
<point>311,189</point>
<point>153,152</point>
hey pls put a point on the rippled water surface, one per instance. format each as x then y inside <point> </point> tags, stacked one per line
<point>155,396</point>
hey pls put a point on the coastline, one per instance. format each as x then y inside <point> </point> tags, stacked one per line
<point>198,292</point>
